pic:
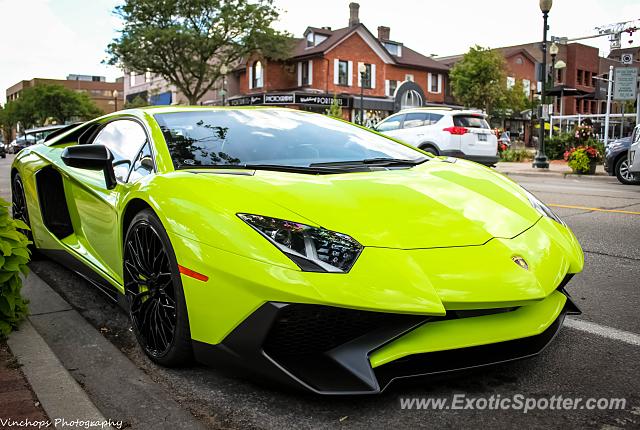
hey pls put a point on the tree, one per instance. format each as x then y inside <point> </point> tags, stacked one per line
<point>40,103</point>
<point>8,120</point>
<point>137,102</point>
<point>511,102</point>
<point>187,41</point>
<point>335,110</point>
<point>479,79</point>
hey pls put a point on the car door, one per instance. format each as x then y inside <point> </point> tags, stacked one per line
<point>97,236</point>
<point>391,126</point>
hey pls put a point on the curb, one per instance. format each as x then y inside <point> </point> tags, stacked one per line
<point>559,175</point>
<point>59,394</point>
<point>98,370</point>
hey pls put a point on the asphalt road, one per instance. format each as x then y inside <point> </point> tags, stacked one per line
<point>578,364</point>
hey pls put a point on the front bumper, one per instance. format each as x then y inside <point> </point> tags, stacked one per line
<point>330,350</point>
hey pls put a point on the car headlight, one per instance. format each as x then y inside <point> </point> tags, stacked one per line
<point>542,208</point>
<point>313,249</point>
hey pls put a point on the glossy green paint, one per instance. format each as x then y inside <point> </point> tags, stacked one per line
<point>467,332</point>
<point>437,236</point>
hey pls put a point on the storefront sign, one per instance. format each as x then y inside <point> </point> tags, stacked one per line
<point>289,99</point>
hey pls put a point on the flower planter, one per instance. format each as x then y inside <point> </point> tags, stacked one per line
<point>592,169</point>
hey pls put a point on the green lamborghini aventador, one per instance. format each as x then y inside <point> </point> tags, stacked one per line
<point>308,249</point>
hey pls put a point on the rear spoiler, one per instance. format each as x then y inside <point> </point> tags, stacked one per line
<point>59,131</point>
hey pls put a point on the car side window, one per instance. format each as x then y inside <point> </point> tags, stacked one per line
<point>390,124</point>
<point>416,120</point>
<point>143,165</point>
<point>434,118</point>
<point>123,138</point>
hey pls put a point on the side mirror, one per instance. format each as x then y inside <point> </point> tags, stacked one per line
<point>91,157</point>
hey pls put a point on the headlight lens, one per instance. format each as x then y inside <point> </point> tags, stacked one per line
<point>313,249</point>
<point>542,208</point>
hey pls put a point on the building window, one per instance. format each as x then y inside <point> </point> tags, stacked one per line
<point>579,77</point>
<point>408,78</point>
<point>310,41</point>
<point>519,60</point>
<point>305,73</point>
<point>343,72</point>
<point>393,48</point>
<point>559,72</point>
<point>433,79</point>
<point>391,87</point>
<point>365,80</point>
<point>258,75</point>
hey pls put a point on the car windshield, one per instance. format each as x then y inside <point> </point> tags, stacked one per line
<point>275,137</point>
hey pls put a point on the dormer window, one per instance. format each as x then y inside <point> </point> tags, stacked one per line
<point>393,48</point>
<point>314,39</point>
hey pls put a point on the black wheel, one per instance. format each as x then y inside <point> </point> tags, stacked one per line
<point>623,174</point>
<point>154,291</point>
<point>19,204</point>
<point>430,148</point>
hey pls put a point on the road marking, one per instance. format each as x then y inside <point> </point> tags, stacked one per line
<point>619,211</point>
<point>604,331</point>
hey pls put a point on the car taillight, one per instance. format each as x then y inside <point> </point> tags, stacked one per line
<point>456,130</point>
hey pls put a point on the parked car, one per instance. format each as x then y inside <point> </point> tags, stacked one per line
<point>32,136</point>
<point>311,250</point>
<point>616,162</point>
<point>456,133</point>
<point>633,156</point>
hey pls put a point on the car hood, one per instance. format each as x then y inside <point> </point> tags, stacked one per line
<point>435,204</point>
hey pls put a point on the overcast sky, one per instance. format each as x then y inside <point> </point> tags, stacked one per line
<point>54,38</point>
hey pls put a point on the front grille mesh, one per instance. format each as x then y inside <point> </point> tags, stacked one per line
<point>308,329</point>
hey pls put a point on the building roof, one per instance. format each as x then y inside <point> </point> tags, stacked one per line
<point>409,57</point>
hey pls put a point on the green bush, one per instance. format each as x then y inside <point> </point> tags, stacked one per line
<point>14,256</point>
<point>515,155</point>
<point>557,145</point>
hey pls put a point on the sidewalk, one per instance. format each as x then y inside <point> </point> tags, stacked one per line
<point>557,169</point>
<point>17,399</point>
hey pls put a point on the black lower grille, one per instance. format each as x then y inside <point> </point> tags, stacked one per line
<point>310,329</point>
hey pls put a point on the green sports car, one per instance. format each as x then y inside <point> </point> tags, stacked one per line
<point>310,250</point>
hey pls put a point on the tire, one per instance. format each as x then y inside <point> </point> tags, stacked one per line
<point>19,208</point>
<point>430,148</point>
<point>621,170</point>
<point>154,292</point>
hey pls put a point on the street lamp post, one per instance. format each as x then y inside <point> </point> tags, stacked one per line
<point>223,71</point>
<point>541,161</point>
<point>553,50</point>
<point>362,69</point>
<point>115,99</point>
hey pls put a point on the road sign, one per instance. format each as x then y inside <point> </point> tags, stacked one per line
<point>625,83</point>
<point>626,58</point>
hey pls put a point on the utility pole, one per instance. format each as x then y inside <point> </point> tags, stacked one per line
<point>606,118</point>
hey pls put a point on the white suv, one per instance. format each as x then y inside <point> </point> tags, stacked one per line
<point>441,131</point>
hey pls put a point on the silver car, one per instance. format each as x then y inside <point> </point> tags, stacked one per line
<point>634,152</point>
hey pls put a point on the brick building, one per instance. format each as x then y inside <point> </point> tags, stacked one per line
<point>327,62</point>
<point>96,87</point>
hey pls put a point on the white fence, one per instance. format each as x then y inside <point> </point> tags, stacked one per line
<point>566,122</point>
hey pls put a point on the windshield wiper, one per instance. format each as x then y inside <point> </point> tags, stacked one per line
<point>270,167</point>
<point>382,162</point>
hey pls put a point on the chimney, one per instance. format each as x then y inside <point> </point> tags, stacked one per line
<point>384,33</point>
<point>353,14</point>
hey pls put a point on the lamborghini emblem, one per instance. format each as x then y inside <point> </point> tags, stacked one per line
<point>520,262</point>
